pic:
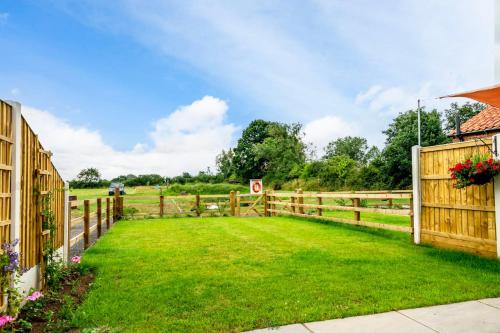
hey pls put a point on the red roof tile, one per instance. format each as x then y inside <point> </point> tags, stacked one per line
<point>487,119</point>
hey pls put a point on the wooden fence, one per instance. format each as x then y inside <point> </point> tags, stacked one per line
<point>234,204</point>
<point>88,219</point>
<point>30,185</point>
<point>318,205</point>
<point>461,219</point>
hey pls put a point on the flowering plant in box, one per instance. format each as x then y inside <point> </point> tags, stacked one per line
<point>479,170</point>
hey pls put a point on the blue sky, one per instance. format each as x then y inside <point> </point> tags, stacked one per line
<point>162,86</point>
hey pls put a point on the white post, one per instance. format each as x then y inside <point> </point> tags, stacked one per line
<point>415,158</point>
<point>496,184</point>
<point>66,223</point>
<point>15,212</point>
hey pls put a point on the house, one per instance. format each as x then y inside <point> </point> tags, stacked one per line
<point>487,122</point>
<point>483,125</point>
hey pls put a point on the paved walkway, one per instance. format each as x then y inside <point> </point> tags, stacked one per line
<point>474,316</point>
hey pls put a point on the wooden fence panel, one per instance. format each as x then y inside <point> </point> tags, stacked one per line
<point>6,162</point>
<point>39,177</point>
<point>461,219</point>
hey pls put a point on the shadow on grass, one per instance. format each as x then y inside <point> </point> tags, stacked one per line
<point>445,255</point>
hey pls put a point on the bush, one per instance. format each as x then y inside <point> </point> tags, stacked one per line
<point>202,188</point>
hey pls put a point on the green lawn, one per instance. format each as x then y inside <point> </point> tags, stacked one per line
<point>234,274</point>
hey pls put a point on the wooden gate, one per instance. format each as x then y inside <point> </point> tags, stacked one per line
<point>461,219</point>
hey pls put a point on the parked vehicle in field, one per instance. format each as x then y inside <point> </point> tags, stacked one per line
<point>113,186</point>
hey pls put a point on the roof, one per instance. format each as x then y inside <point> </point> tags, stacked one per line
<point>486,120</point>
<point>489,95</point>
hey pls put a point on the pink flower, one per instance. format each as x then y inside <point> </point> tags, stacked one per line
<point>75,259</point>
<point>35,295</point>
<point>5,320</point>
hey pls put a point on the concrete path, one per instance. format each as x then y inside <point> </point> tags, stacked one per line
<point>474,316</point>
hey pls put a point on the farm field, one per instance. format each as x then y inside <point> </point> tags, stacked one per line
<point>234,274</point>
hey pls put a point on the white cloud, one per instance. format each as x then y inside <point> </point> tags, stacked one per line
<point>15,91</point>
<point>186,140</point>
<point>321,131</point>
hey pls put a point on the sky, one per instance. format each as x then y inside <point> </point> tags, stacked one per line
<point>162,87</point>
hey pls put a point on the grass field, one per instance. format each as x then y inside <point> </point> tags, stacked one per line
<point>230,274</point>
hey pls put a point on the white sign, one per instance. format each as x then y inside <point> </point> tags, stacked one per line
<point>256,186</point>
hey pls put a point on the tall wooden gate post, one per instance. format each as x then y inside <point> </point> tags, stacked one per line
<point>231,203</point>
<point>238,203</point>
<point>417,199</point>
<point>496,151</point>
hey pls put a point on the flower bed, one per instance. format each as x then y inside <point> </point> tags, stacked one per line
<point>51,311</point>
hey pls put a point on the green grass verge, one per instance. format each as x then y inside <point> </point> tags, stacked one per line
<point>230,274</point>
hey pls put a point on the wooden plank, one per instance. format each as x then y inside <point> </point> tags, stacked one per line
<point>5,167</point>
<point>402,212</point>
<point>461,207</point>
<point>348,195</point>
<point>6,139</point>
<point>5,223</point>
<point>456,145</point>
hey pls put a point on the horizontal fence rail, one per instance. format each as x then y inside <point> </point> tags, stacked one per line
<point>317,206</point>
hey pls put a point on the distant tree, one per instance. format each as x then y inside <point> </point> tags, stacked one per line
<point>465,112</point>
<point>355,148</point>
<point>87,178</point>
<point>282,151</point>
<point>224,163</point>
<point>246,163</point>
<point>401,136</point>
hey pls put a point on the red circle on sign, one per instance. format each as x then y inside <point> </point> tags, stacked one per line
<point>256,187</point>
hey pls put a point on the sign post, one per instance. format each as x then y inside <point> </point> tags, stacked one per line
<point>256,186</point>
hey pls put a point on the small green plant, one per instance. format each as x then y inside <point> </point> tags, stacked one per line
<point>130,212</point>
<point>341,202</point>
<point>363,203</point>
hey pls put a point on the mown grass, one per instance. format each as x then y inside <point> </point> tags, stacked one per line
<point>230,274</point>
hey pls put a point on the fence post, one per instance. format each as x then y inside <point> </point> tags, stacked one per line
<point>238,202</point>
<point>114,210</point>
<point>162,205</point>
<point>107,213</point>
<point>116,205</point>
<point>231,203</point>
<point>15,189</point>
<point>292,202</point>
<point>496,184</point>
<point>121,207</point>
<point>301,200</point>
<point>197,204</point>
<point>357,214</point>
<point>415,157</point>
<point>99,217</point>
<point>319,211</point>
<point>67,223</point>
<point>266,211</point>
<point>86,224</point>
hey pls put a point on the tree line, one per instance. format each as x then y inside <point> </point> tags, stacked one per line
<point>278,153</point>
